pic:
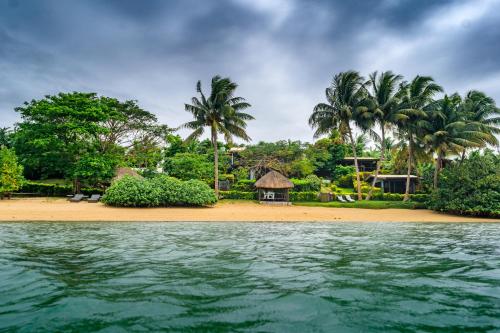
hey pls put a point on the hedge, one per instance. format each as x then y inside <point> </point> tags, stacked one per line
<point>304,196</point>
<point>244,185</point>
<point>398,197</point>
<point>54,190</point>
<point>238,195</point>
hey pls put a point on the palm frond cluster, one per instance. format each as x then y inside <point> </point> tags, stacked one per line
<point>385,103</point>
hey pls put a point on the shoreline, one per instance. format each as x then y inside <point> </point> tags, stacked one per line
<point>60,210</point>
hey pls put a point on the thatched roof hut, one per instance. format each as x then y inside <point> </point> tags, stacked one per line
<point>274,180</point>
<point>273,186</point>
<point>122,172</point>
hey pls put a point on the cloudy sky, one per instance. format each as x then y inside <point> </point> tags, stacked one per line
<point>282,53</point>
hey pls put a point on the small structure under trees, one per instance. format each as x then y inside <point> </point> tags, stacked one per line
<point>273,187</point>
<point>395,183</point>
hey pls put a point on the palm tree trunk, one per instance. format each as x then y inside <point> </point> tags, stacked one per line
<point>216,162</point>
<point>462,157</point>
<point>355,155</point>
<point>379,164</point>
<point>437,169</point>
<point>410,153</point>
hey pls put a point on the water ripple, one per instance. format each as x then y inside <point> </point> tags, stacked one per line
<point>249,277</point>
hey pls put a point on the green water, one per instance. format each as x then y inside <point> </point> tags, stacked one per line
<point>249,277</point>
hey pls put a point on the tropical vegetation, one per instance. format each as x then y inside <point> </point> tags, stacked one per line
<point>75,142</point>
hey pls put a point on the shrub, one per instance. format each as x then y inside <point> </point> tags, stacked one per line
<point>244,185</point>
<point>239,195</point>
<point>470,188</point>
<point>11,172</point>
<point>345,181</point>
<point>132,192</point>
<point>309,184</point>
<point>304,196</point>
<point>161,191</point>
<point>196,193</point>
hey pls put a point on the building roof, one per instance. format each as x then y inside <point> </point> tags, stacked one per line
<point>274,179</point>
<point>350,158</point>
<point>394,176</point>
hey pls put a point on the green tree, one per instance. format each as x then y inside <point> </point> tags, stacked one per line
<point>188,166</point>
<point>346,106</point>
<point>481,111</point>
<point>5,137</point>
<point>384,103</point>
<point>449,132</point>
<point>412,121</point>
<point>222,113</point>
<point>95,169</point>
<point>56,131</point>
<point>11,172</point>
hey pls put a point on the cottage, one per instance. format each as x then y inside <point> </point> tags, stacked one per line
<point>274,187</point>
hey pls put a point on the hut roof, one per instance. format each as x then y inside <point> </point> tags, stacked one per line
<point>122,172</point>
<point>273,179</point>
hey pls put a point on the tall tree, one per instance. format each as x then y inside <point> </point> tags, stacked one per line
<point>11,172</point>
<point>449,132</point>
<point>416,97</point>
<point>222,113</point>
<point>346,107</point>
<point>384,103</point>
<point>482,112</point>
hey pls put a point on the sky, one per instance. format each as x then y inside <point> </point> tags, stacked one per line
<point>282,53</point>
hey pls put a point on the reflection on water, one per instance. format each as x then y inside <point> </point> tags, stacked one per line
<point>249,277</point>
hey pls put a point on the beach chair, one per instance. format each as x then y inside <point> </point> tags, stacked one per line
<point>341,199</point>
<point>76,198</point>
<point>94,198</point>
<point>348,198</point>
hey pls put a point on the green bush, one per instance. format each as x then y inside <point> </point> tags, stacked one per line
<point>345,181</point>
<point>398,197</point>
<point>239,195</point>
<point>304,196</point>
<point>161,191</point>
<point>133,192</point>
<point>244,185</point>
<point>309,184</point>
<point>470,188</point>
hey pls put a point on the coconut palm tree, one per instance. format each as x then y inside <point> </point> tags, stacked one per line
<point>221,112</point>
<point>481,110</point>
<point>449,132</point>
<point>384,104</point>
<point>346,107</point>
<point>412,118</point>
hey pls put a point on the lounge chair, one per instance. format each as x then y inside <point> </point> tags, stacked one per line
<point>94,198</point>
<point>341,199</point>
<point>76,198</point>
<point>348,198</point>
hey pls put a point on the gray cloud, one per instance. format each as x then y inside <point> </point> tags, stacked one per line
<point>283,53</point>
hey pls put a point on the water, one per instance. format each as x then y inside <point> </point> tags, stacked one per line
<point>249,277</point>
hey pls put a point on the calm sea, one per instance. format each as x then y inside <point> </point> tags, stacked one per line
<point>249,277</point>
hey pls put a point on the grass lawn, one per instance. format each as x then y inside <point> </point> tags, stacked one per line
<point>372,204</point>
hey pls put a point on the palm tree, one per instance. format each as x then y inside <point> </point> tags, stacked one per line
<point>346,99</point>
<point>449,132</point>
<point>384,103</point>
<point>480,110</point>
<point>416,97</point>
<point>222,113</point>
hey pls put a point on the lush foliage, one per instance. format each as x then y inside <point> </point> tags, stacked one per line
<point>11,172</point>
<point>160,191</point>
<point>471,187</point>
<point>55,190</point>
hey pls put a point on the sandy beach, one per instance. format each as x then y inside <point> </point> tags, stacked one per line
<point>50,209</point>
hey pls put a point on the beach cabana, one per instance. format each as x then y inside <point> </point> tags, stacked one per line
<point>273,187</point>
